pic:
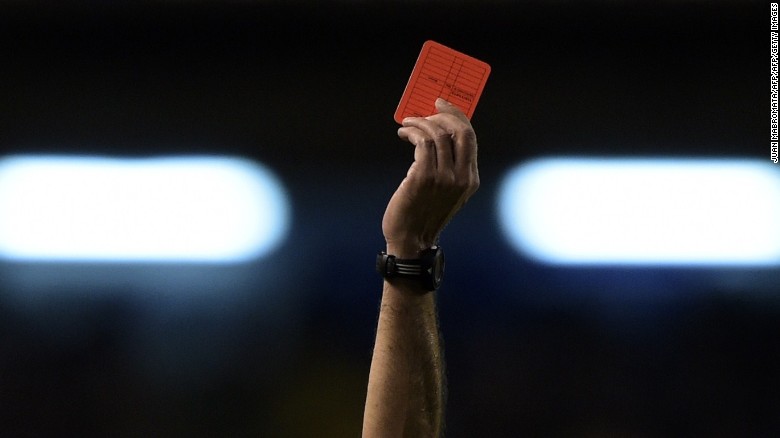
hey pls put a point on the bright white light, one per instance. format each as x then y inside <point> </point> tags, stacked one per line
<point>180,209</point>
<point>644,211</point>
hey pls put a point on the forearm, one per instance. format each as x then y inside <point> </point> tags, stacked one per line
<point>406,381</point>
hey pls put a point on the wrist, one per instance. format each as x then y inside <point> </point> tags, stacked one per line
<point>407,286</point>
<point>407,249</point>
<point>404,252</point>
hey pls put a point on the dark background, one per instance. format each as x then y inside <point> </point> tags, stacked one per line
<point>282,346</point>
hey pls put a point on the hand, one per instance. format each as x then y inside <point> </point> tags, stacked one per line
<point>442,178</point>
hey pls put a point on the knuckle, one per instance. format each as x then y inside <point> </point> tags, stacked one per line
<point>426,179</point>
<point>475,183</point>
<point>448,179</point>
<point>464,184</point>
<point>467,134</point>
<point>468,183</point>
<point>443,139</point>
<point>441,135</point>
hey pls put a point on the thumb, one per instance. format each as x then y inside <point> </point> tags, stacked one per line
<point>445,107</point>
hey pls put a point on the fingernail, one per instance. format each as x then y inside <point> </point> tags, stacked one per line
<point>441,100</point>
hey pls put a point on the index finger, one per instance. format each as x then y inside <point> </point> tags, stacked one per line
<point>445,107</point>
<point>455,123</point>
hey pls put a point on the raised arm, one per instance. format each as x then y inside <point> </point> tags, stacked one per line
<point>406,382</point>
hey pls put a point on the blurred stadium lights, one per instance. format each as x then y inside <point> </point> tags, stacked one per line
<point>653,211</point>
<point>180,209</point>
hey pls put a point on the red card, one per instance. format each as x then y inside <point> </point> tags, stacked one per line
<point>446,73</point>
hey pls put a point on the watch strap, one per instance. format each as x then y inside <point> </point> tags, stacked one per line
<point>390,266</point>
<point>411,267</point>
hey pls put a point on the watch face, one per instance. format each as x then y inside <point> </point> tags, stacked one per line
<point>438,266</point>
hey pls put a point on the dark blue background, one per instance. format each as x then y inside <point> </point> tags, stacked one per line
<point>282,346</point>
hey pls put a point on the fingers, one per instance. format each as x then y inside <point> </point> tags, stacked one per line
<point>453,119</point>
<point>424,150</point>
<point>445,107</point>
<point>438,136</point>
<point>452,135</point>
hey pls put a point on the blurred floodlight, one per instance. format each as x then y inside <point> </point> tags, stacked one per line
<point>178,209</point>
<point>644,211</point>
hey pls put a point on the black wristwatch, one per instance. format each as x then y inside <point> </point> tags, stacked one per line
<point>429,268</point>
